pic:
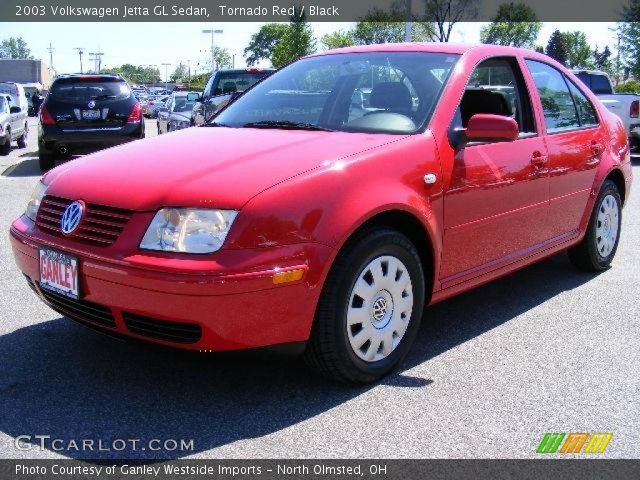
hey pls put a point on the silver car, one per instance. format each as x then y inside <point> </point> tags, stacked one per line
<point>153,105</point>
<point>176,115</point>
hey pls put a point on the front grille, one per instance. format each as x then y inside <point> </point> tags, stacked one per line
<point>100,225</point>
<point>161,329</point>
<point>80,310</point>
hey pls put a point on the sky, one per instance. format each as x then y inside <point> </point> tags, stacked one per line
<point>158,43</point>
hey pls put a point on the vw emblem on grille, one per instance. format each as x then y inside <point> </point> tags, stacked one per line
<point>91,104</point>
<point>379,309</point>
<point>71,217</point>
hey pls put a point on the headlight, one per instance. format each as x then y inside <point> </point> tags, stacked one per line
<point>188,230</point>
<point>34,200</point>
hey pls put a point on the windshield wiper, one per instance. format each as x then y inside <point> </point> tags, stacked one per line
<point>285,125</point>
<point>214,124</point>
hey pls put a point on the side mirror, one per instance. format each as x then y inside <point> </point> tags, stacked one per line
<point>483,127</point>
<point>194,97</point>
<point>14,110</point>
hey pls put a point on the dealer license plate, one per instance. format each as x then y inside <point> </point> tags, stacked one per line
<point>59,272</point>
<point>90,114</point>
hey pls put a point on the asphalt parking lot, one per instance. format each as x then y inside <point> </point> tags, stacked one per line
<point>546,349</point>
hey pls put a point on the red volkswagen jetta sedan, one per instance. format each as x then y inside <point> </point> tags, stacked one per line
<point>331,203</point>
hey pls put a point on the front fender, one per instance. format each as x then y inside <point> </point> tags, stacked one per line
<point>328,204</point>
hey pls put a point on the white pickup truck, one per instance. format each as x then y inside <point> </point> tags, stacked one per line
<point>625,105</point>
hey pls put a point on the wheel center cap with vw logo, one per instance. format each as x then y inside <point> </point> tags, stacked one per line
<point>72,217</point>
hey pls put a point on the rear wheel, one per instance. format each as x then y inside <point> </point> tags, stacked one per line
<point>22,141</point>
<point>5,148</point>
<point>46,161</point>
<point>599,245</point>
<point>369,310</point>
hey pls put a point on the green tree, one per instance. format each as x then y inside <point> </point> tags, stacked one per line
<point>579,54</point>
<point>180,73</point>
<point>337,39</point>
<point>602,60</point>
<point>15,48</point>
<point>264,41</point>
<point>632,86</point>
<point>380,26</point>
<point>136,74</point>
<point>515,25</point>
<point>629,34</point>
<point>296,42</point>
<point>557,48</point>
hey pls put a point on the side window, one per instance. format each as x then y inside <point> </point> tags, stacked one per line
<point>497,87</point>
<point>560,112</point>
<point>586,112</point>
<point>600,84</point>
<point>207,88</point>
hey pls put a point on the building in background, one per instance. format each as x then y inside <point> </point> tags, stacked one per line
<point>26,72</point>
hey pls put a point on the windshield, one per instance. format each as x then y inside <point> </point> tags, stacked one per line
<point>83,90</point>
<point>237,81</point>
<point>182,105</point>
<point>378,92</point>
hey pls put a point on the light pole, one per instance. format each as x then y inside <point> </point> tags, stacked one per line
<point>213,56</point>
<point>80,52</point>
<point>166,75</point>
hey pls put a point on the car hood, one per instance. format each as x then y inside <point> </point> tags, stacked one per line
<point>203,166</point>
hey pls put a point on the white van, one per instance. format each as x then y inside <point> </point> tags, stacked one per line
<point>18,95</point>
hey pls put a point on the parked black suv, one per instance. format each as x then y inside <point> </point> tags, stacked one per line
<point>221,87</point>
<point>85,113</point>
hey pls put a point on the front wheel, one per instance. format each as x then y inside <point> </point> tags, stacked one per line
<point>5,148</point>
<point>599,245</point>
<point>369,310</point>
<point>22,141</point>
<point>46,161</point>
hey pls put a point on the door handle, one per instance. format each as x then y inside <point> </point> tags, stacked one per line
<point>538,160</point>
<point>596,148</point>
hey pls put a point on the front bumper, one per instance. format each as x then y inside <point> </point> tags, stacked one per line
<point>52,139</point>
<point>233,308</point>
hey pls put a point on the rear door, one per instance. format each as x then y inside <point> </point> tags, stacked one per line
<point>90,102</point>
<point>575,143</point>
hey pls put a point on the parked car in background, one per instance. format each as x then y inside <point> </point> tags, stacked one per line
<point>625,105</point>
<point>13,124</point>
<point>153,105</point>
<point>85,113</point>
<point>291,220</point>
<point>176,114</point>
<point>18,96</point>
<point>220,89</point>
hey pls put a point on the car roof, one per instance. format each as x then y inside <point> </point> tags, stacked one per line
<point>89,75</point>
<point>246,70</point>
<point>433,47</point>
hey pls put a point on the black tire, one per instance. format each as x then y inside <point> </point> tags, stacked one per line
<point>46,161</point>
<point>22,141</point>
<point>329,351</point>
<point>587,255</point>
<point>5,148</point>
